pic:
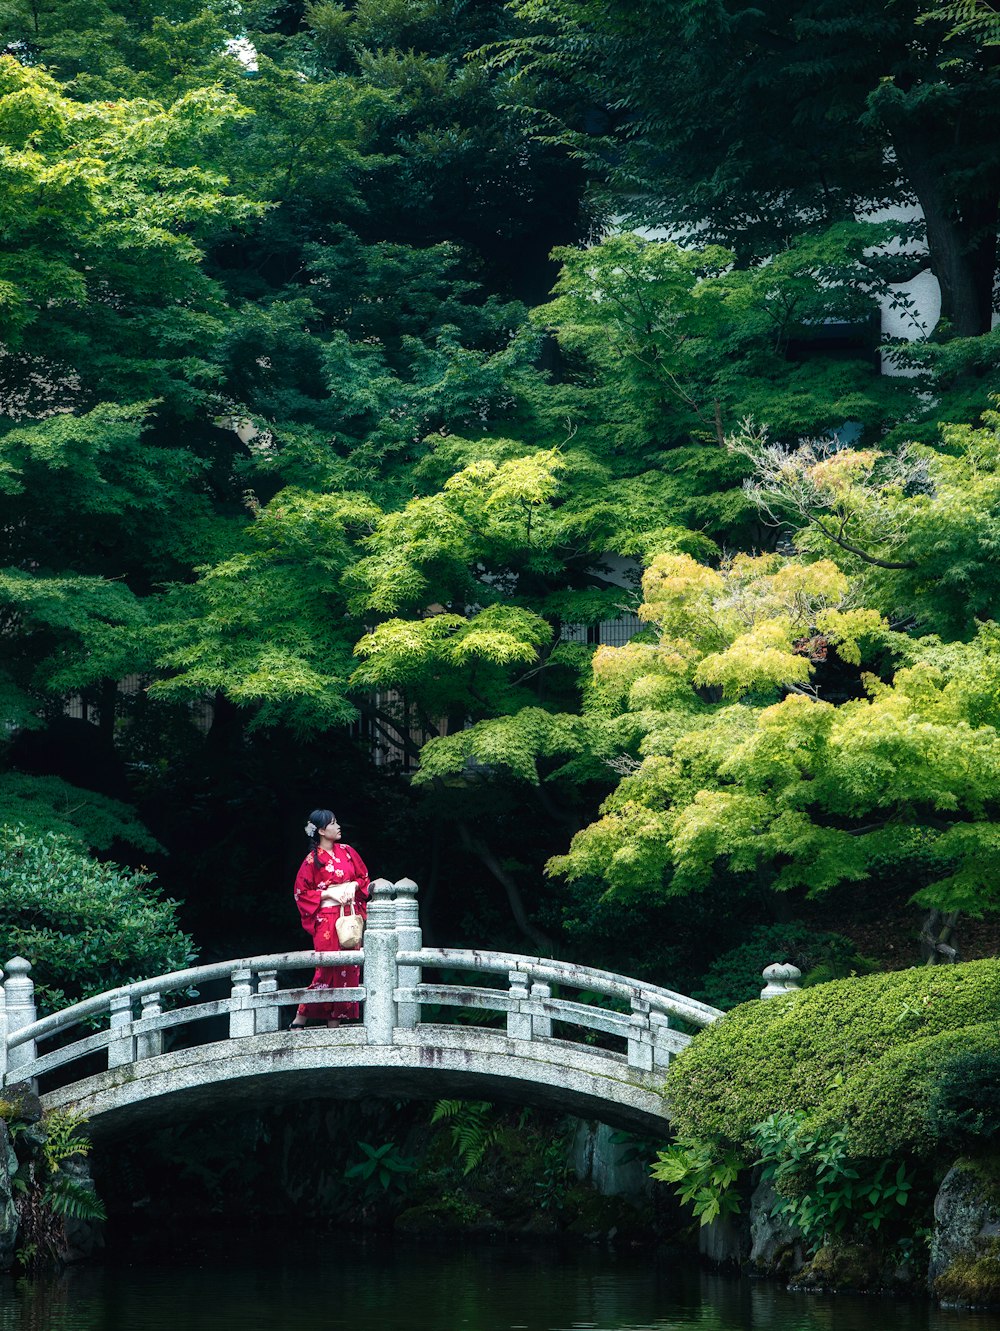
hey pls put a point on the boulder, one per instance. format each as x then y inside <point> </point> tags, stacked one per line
<point>611,1167</point>
<point>775,1245</point>
<point>24,1101</point>
<point>840,1267</point>
<point>8,1211</point>
<point>724,1242</point>
<point>964,1268</point>
<point>83,1238</point>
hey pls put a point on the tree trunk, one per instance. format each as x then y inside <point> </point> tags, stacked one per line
<point>482,852</point>
<point>937,938</point>
<point>961,235</point>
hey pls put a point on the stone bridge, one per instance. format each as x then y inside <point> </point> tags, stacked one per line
<point>212,1038</point>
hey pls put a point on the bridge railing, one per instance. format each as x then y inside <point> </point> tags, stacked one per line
<point>131,1023</point>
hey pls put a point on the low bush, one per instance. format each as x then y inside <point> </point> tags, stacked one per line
<point>804,1050</point>
<point>85,926</point>
<point>963,1110</point>
<point>735,977</point>
<point>885,1107</point>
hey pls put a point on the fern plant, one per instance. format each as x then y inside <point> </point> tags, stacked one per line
<point>72,1199</point>
<point>46,1193</point>
<point>64,1137</point>
<point>476,1127</point>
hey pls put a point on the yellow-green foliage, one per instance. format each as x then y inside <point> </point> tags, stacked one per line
<point>860,1052</point>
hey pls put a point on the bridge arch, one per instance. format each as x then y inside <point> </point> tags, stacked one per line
<point>604,1059</point>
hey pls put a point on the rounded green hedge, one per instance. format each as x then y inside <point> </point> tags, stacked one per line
<point>85,925</point>
<point>864,1052</point>
<point>885,1106</point>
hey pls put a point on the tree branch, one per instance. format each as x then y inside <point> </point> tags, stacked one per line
<point>484,854</point>
<point>862,554</point>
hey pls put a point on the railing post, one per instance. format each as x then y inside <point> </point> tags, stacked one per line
<point>409,938</point>
<point>781,978</point>
<point>3,1032</point>
<point>659,1025</point>
<point>241,1015</point>
<point>121,1050</point>
<point>380,944</point>
<point>640,1043</point>
<point>541,1027</point>
<point>518,1021</point>
<point>149,1043</point>
<point>266,1018</point>
<point>19,992</point>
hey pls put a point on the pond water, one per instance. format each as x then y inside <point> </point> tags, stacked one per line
<point>301,1286</point>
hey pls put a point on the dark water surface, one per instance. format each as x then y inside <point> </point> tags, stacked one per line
<point>329,1286</point>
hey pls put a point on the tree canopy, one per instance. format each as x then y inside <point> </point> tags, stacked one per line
<point>353,449</point>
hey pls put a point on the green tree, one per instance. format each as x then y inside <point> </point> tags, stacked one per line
<point>687,344</point>
<point>887,104</point>
<point>774,782</point>
<point>919,527</point>
<point>85,926</point>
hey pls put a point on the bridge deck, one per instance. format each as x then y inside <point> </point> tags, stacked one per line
<point>560,1026</point>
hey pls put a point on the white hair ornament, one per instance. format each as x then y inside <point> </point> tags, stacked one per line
<point>310,829</point>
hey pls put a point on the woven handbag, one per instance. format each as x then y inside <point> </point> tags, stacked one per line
<point>350,929</point>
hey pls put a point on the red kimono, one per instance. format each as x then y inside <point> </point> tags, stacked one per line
<point>337,866</point>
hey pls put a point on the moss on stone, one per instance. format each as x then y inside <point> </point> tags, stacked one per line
<point>841,1266</point>
<point>972,1279</point>
<point>446,1215</point>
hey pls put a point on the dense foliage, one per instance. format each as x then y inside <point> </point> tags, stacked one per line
<point>338,424</point>
<point>861,1054</point>
<point>847,1099</point>
<point>85,926</point>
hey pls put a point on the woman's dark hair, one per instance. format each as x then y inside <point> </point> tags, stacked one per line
<point>319,818</point>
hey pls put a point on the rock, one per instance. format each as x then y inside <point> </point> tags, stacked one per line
<point>8,1211</point>
<point>83,1237</point>
<point>25,1102</point>
<point>606,1164</point>
<point>841,1267</point>
<point>964,1267</point>
<point>724,1242</point>
<point>775,1245</point>
<point>447,1216</point>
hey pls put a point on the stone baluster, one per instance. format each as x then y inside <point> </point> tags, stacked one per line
<point>518,1021</point>
<point>782,978</point>
<point>659,1025</point>
<point>3,1032</point>
<point>150,1043</point>
<point>266,1018</point>
<point>241,1014</point>
<point>409,939</point>
<point>381,944</point>
<point>19,995</point>
<point>121,1050</point>
<point>640,1042</point>
<point>541,1026</point>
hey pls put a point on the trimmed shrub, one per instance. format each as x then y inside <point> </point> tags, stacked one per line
<point>802,1050</point>
<point>885,1106</point>
<point>85,926</point>
<point>963,1112</point>
<point>735,977</point>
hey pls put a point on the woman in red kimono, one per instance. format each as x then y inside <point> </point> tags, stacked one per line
<point>332,878</point>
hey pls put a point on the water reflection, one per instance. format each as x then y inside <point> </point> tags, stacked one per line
<point>433,1288</point>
